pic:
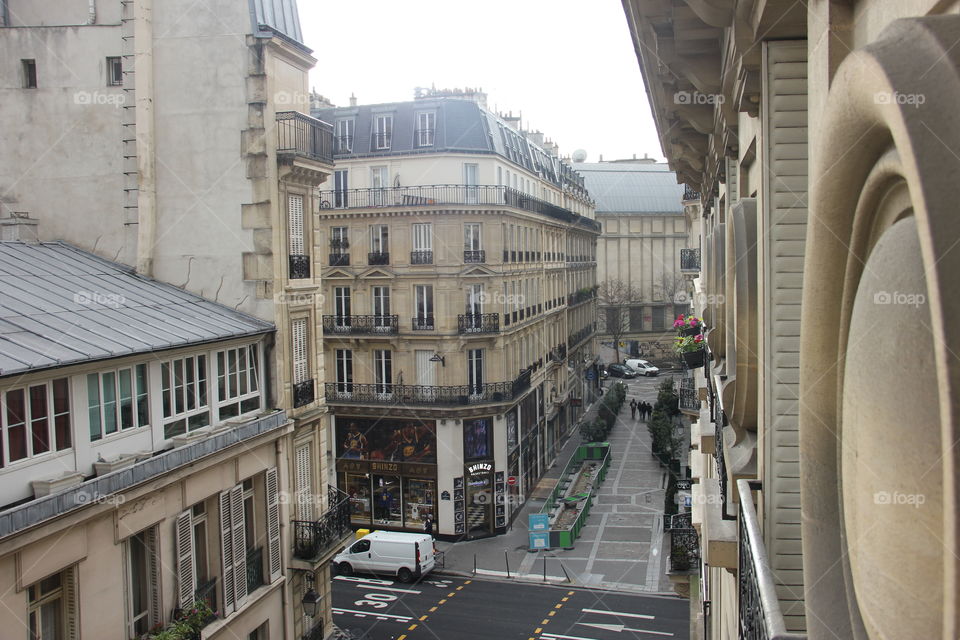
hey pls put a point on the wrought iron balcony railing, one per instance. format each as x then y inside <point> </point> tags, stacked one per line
<point>687,393</point>
<point>684,544</point>
<point>303,393</point>
<point>443,194</point>
<point>254,569</point>
<point>577,337</point>
<point>313,539</point>
<point>478,323</point>
<point>689,193</point>
<point>299,267</point>
<point>421,257</point>
<point>360,325</point>
<point>424,395</point>
<point>344,144</point>
<point>423,323</point>
<point>316,632</point>
<point>302,135</point>
<point>689,259</point>
<point>760,617</point>
<point>721,463</point>
<point>339,259</point>
<point>378,258</point>
<point>474,256</point>
<point>207,592</point>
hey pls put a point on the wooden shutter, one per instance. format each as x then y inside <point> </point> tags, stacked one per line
<point>273,519</point>
<point>153,559</point>
<point>239,545</point>
<point>71,608</point>
<point>183,530</point>
<point>303,476</point>
<point>300,359</point>
<point>226,553</point>
<point>295,224</point>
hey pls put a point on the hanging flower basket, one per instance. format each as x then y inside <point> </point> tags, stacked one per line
<point>689,331</point>
<point>688,325</point>
<point>694,359</point>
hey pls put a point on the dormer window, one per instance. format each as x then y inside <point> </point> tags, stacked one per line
<point>382,131</point>
<point>426,126</point>
<point>344,135</point>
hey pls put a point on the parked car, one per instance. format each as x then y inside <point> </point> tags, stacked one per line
<point>407,556</point>
<point>642,367</point>
<point>621,371</point>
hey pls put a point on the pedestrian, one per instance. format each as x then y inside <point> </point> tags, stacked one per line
<point>633,408</point>
<point>643,411</point>
<point>428,525</point>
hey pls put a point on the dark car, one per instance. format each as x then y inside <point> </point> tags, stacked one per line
<point>621,371</point>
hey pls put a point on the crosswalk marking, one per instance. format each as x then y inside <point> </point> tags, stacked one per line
<point>618,613</point>
<point>363,614</point>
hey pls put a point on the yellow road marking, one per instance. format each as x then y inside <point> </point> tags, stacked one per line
<point>412,627</point>
<point>570,593</point>
<point>460,587</point>
<point>552,613</point>
<point>422,618</point>
<point>451,594</point>
<point>545,621</point>
<point>538,630</point>
<point>564,599</point>
<point>468,582</point>
<point>403,637</point>
<point>432,609</point>
<point>558,606</point>
<point>442,601</point>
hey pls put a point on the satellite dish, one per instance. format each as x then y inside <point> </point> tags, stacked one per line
<point>579,155</point>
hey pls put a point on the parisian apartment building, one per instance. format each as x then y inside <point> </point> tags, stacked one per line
<point>643,258</point>
<point>458,259</point>
<point>817,142</point>
<point>174,452</point>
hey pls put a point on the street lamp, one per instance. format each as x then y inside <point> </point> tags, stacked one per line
<point>311,599</point>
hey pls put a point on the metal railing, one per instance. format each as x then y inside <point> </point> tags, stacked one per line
<point>421,257</point>
<point>378,258</point>
<point>460,194</point>
<point>425,395</point>
<point>302,135</point>
<point>687,393</point>
<point>207,592</point>
<point>721,463</point>
<point>315,538</point>
<point>577,337</point>
<point>580,296</point>
<point>689,259</point>
<point>423,323</point>
<point>759,616</point>
<point>303,393</point>
<point>689,193</point>
<point>474,256</point>
<point>339,259</point>
<point>361,325</point>
<point>299,267</point>
<point>478,323</point>
<point>254,569</point>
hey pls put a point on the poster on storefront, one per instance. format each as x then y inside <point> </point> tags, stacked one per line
<point>477,438</point>
<point>512,439</point>
<point>387,439</point>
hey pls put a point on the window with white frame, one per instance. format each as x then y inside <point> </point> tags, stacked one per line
<point>422,243</point>
<point>183,383</point>
<point>296,245</point>
<point>426,126</point>
<point>114,71</point>
<point>142,581</point>
<point>52,607</point>
<point>475,371</point>
<point>382,131</point>
<point>340,189</point>
<point>471,237</point>
<point>339,240</point>
<point>303,479</point>
<point>381,308</point>
<point>341,309</point>
<point>379,181</point>
<point>423,306</point>
<point>344,135</point>
<point>117,400</point>
<point>379,239</point>
<point>471,173</point>
<point>383,371</point>
<point>301,358</point>
<point>344,371</point>
<point>238,381</point>
<point>35,420</point>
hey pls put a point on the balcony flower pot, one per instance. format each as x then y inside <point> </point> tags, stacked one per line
<point>688,325</point>
<point>694,359</point>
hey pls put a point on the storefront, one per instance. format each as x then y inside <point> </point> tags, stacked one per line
<point>388,469</point>
<point>481,492</point>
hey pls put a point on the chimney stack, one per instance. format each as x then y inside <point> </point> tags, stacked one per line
<point>19,227</point>
<point>353,100</point>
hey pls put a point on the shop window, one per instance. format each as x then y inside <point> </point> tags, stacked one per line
<point>387,503</point>
<point>418,500</point>
<point>358,488</point>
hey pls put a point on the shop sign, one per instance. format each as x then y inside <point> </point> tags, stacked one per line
<point>353,466</point>
<point>418,469</point>
<point>389,467</point>
<point>444,495</point>
<point>480,467</point>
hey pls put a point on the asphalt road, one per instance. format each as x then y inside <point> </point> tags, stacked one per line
<point>448,608</point>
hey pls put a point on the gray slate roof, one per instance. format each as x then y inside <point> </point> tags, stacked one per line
<point>60,305</point>
<point>623,187</point>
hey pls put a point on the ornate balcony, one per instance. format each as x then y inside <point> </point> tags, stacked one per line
<point>760,617</point>
<point>579,336</point>
<point>690,260</point>
<point>339,259</point>
<point>299,267</point>
<point>689,193</point>
<point>360,325</point>
<point>423,323</point>
<point>423,395</point>
<point>478,323</point>
<point>474,256</point>
<point>314,539</point>
<point>303,136</point>
<point>684,544</point>
<point>303,393</point>
<point>378,258</point>
<point>689,403</point>
<point>254,569</point>
<point>421,257</point>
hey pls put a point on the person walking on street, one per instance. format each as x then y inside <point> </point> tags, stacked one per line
<point>633,409</point>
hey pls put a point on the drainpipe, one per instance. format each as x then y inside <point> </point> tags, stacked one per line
<point>146,139</point>
<point>92,12</point>
<point>4,14</point>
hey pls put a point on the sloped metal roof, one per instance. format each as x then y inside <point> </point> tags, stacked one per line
<point>60,305</point>
<point>623,187</point>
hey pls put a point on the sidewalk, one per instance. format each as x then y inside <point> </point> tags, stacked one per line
<point>619,548</point>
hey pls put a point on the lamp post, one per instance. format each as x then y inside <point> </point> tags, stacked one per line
<point>311,599</point>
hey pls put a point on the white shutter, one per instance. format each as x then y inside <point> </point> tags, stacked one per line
<point>183,528</point>
<point>153,558</point>
<point>273,520</point>
<point>226,553</point>
<point>71,608</point>
<point>303,476</point>
<point>300,360</point>
<point>295,224</point>
<point>239,545</point>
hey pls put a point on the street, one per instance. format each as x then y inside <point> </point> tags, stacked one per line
<point>445,607</point>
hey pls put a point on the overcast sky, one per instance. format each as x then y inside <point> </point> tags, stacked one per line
<point>568,65</point>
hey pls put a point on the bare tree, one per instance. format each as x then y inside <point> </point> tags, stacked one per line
<point>614,298</point>
<point>673,289</point>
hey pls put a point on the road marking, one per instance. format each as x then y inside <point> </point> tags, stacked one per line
<point>451,594</point>
<point>368,588</point>
<point>564,599</point>
<point>442,601</point>
<point>460,587</point>
<point>432,609</point>
<point>554,636</point>
<point>468,582</point>
<point>618,613</point>
<point>367,613</point>
<point>558,606</point>
<point>552,613</point>
<point>422,618</point>
<point>367,580</point>
<point>619,628</point>
<point>412,627</point>
<point>403,637</point>
<point>538,630</point>
<point>546,621</point>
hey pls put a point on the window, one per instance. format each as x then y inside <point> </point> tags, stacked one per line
<point>35,420</point>
<point>475,371</point>
<point>114,72</point>
<point>383,371</point>
<point>339,240</point>
<point>143,588</point>
<point>299,262</point>
<point>473,321</point>
<point>303,478</point>
<point>29,73</point>
<point>470,179</point>
<point>422,243</point>
<point>381,308</point>
<point>201,555</point>
<point>423,307</point>
<point>379,181</point>
<point>379,244</point>
<point>341,309</point>
<point>382,131</point>
<point>426,125</point>
<point>117,400</point>
<point>344,135</point>
<point>238,381</point>
<point>184,388</point>
<point>52,607</point>
<point>340,187</point>
<point>344,365</point>
<point>301,359</point>
<point>471,237</point>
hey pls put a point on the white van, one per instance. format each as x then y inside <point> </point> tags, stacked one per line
<point>642,367</point>
<point>408,556</point>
